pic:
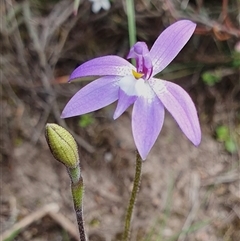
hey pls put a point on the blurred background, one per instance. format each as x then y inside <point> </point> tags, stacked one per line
<point>187,193</point>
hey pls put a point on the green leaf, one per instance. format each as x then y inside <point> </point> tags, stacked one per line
<point>230,145</point>
<point>211,77</point>
<point>86,120</point>
<point>222,133</point>
<point>236,59</point>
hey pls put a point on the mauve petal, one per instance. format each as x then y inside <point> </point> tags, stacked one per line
<point>107,65</point>
<point>180,105</point>
<point>124,101</point>
<point>93,96</point>
<point>169,44</point>
<point>147,121</point>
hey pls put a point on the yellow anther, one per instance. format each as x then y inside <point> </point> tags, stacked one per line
<point>136,74</point>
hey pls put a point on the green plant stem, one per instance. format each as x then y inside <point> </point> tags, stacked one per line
<point>74,174</point>
<point>131,23</point>
<point>77,194</point>
<point>136,185</point>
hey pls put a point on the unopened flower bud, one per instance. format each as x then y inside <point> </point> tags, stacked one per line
<point>62,145</point>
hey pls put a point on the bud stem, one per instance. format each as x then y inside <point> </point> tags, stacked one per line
<point>77,194</point>
<point>64,149</point>
<point>74,174</point>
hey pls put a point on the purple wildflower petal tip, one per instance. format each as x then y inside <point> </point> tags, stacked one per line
<point>177,101</point>
<point>93,96</point>
<point>107,65</point>
<point>169,44</point>
<point>147,122</point>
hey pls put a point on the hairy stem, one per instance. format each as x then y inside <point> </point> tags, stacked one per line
<point>136,185</point>
<point>77,194</point>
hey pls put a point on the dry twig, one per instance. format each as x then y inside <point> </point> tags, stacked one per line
<point>33,217</point>
<point>49,209</point>
<point>195,206</point>
<point>225,178</point>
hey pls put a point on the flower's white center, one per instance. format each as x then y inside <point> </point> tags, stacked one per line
<point>134,85</point>
<point>127,84</point>
<point>143,89</point>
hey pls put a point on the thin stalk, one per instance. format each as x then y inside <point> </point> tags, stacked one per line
<point>131,23</point>
<point>77,194</point>
<point>136,185</point>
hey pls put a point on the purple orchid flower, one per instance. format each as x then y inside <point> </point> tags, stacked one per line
<point>136,85</point>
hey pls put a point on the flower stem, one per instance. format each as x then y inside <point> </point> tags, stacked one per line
<point>136,185</point>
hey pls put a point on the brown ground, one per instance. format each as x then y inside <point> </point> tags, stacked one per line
<point>182,187</point>
<point>187,193</point>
